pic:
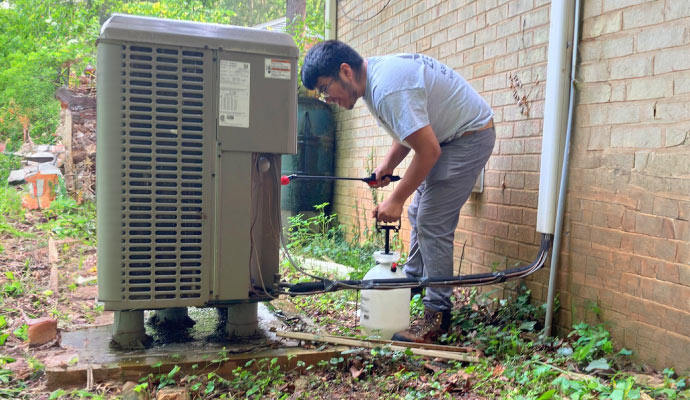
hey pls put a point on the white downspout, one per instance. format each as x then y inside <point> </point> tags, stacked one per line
<point>559,87</point>
<point>331,19</point>
<point>555,107</point>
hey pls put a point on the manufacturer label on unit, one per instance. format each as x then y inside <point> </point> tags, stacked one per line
<point>277,69</point>
<point>233,100</point>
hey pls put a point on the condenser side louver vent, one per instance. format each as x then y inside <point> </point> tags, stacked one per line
<point>165,138</point>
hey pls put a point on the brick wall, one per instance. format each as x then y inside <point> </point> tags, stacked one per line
<point>626,229</point>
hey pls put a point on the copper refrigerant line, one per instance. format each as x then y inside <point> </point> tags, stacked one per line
<point>323,285</point>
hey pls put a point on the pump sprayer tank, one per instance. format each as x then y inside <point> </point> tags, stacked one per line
<point>384,312</point>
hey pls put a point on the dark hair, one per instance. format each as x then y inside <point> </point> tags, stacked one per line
<point>324,59</point>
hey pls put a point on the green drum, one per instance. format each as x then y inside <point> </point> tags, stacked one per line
<point>315,156</point>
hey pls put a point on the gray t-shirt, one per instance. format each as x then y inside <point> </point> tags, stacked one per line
<point>406,92</point>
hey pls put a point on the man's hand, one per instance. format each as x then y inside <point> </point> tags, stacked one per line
<point>380,171</point>
<point>388,211</point>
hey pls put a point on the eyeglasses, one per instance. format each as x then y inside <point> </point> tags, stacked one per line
<point>324,90</point>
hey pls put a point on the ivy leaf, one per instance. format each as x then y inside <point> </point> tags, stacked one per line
<point>618,394</point>
<point>528,326</point>
<point>547,395</point>
<point>565,351</point>
<point>56,394</point>
<point>598,364</point>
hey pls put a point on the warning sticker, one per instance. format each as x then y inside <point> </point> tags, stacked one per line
<point>234,94</point>
<point>277,69</point>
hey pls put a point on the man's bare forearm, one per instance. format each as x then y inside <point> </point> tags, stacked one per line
<point>395,155</point>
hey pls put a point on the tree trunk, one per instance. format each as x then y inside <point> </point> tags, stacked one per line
<point>295,9</point>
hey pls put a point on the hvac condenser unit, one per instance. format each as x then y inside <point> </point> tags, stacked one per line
<point>192,120</point>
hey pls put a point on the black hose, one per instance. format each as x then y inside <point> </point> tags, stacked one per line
<point>326,285</point>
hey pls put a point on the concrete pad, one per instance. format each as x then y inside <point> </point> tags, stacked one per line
<point>87,353</point>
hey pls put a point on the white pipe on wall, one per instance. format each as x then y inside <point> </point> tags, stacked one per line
<point>555,108</point>
<point>330,15</point>
<point>560,212</point>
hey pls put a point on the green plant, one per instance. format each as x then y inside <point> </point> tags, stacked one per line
<point>590,342</point>
<point>320,237</point>
<point>13,287</point>
<point>44,43</point>
<point>10,198</point>
<point>22,332</point>
<point>67,218</point>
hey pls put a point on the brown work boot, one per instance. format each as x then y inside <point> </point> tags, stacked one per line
<point>426,329</point>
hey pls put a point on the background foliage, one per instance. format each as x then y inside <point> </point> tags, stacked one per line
<point>47,44</point>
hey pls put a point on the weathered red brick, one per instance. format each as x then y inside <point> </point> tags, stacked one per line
<point>510,214</point>
<point>507,248</point>
<point>41,331</point>
<point>497,229</point>
<point>648,224</point>
<point>668,272</point>
<point>629,284</point>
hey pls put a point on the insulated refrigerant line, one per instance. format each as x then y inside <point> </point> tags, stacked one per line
<point>327,285</point>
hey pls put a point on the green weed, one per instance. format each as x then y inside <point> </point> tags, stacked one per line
<point>322,238</point>
<point>68,219</point>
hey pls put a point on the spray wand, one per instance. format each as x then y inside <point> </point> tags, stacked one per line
<point>371,180</point>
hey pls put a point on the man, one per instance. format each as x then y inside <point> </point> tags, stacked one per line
<point>429,108</point>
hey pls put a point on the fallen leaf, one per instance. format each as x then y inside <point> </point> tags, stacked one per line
<point>498,370</point>
<point>648,380</point>
<point>288,387</point>
<point>431,367</point>
<point>355,372</point>
<point>20,368</point>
